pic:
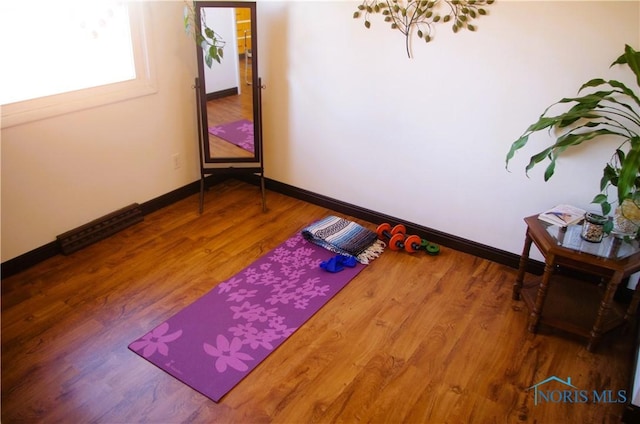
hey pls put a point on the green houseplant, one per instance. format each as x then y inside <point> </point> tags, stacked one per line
<point>206,38</point>
<point>610,110</point>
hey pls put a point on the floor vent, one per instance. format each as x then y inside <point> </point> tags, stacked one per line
<point>99,229</point>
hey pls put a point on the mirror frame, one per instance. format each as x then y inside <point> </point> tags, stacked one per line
<point>207,162</point>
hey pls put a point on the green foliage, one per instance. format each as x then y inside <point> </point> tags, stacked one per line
<point>611,112</point>
<point>422,15</point>
<point>208,40</point>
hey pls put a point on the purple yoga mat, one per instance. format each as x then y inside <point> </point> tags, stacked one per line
<point>216,341</point>
<point>239,133</point>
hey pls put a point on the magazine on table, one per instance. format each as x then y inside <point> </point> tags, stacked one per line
<point>563,215</point>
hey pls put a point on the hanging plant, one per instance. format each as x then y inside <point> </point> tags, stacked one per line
<point>421,16</point>
<point>209,41</point>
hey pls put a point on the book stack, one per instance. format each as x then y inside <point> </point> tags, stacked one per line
<point>563,215</point>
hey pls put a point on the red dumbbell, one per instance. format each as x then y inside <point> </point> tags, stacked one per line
<point>397,239</point>
<point>394,237</point>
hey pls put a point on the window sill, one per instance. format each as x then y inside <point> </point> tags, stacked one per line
<point>45,107</point>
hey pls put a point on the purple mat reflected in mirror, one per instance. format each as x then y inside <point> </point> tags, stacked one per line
<point>239,133</point>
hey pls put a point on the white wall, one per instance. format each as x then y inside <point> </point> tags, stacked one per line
<point>347,115</point>
<point>62,172</point>
<point>226,74</point>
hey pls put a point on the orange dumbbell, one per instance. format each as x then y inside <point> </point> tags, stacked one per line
<point>397,239</point>
<point>394,237</point>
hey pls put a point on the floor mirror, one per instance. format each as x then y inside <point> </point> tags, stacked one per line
<point>228,92</point>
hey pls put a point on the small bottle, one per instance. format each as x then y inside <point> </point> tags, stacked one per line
<point>593,227</point>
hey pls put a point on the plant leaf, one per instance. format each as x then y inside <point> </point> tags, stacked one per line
<point>600,198</point>
<point>626,90</point>
<point>543,122</point>
<point>608,226</point>
<point>592,83</point>
<point>609,176</point>
<point>629,170</point>
<point>515,146</point>
<point>632,59</point>
<point>573,139</point>
<point>539,157</point>
<point>548,173</point>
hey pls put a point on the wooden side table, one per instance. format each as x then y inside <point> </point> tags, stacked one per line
<point>575,306</point>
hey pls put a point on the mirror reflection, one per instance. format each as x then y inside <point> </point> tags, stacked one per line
<point>229,114</point>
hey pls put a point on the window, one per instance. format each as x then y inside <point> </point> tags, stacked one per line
<point>61,56</point>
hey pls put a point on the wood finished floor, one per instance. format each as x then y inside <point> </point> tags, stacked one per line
<point>412,339</point>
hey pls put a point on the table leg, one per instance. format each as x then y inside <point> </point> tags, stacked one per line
<point>605,306</point>
<point>632,310</point>
<point>534,318</point>
<point>524,259</point>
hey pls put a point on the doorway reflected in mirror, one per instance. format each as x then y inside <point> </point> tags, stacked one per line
<point>230,118</point>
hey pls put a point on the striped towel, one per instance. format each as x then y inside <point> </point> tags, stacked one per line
<point>345,237</point>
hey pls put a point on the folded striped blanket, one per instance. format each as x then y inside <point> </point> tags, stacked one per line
<point>345,237</point>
